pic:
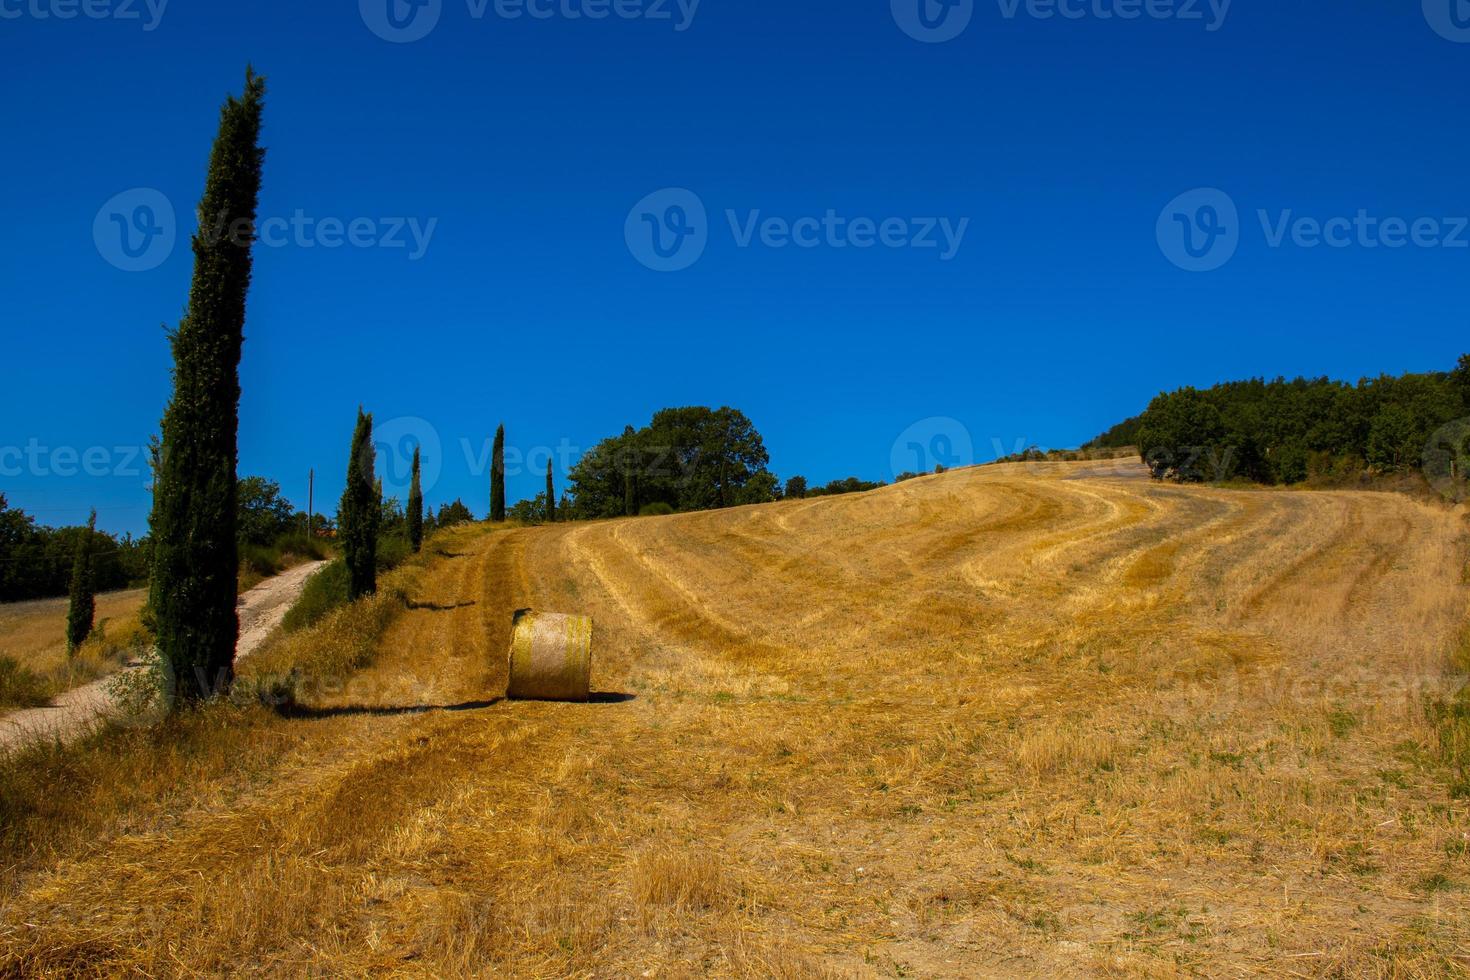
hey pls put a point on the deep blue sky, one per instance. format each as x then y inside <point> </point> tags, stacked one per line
<point>529,140</point>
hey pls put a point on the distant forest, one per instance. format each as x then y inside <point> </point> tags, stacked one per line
<point>1284,432</point>
<point>35,561</point>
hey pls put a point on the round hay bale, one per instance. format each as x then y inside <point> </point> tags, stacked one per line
<point>550,657</point>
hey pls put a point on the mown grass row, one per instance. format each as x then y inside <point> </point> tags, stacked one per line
<point>133,769</point>
<point>1452,717</point>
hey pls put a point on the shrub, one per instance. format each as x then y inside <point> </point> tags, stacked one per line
<point>393,550</point>
<point>323,592</point>
<point>656,509</point>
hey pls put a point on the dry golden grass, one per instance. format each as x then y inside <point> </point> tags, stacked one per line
<point>998,722</point>
<point>33,635</point>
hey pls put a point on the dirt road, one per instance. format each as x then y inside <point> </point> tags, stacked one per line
<point>261,610</point>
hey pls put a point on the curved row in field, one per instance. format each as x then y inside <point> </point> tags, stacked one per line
<point>1000,721</point>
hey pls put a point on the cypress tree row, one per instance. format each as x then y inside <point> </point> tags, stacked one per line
<point>415,507</point>
<point>550,496</point>
<point>359,511</point>
<point>82,609</point>
<point>195,565</point>
<point>497,476</point>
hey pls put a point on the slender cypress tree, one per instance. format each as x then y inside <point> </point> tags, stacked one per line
<point>195,567</point>
<point>358,514</point>
<point>550,496</point>
<point>497,477</point>
<point>415,507</point>
<point>83,606</point>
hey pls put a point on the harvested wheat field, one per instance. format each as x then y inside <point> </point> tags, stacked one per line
<point>1001,721</point>
<point>34,632</point>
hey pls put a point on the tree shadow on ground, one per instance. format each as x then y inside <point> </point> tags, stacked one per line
<point>437,607</point>
<point>337,711</point>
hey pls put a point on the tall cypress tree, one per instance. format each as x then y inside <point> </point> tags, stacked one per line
<point>82,609</point>
<point>415,507</point>
<point>550,496</point>
<point>357,515</point>
<point>195,565</point>
<point>497,476</point>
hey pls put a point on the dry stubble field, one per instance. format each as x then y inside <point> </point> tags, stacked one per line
<point>1003,721</point>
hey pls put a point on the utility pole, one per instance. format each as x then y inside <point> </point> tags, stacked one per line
<point>310,491</point>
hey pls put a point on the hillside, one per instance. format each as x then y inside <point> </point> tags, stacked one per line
<point>1009,719</point>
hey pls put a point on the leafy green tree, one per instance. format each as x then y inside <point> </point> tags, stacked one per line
<point>689,458</point>
<point>454,513</point>
<point>415,507</point>
<point>195,561</point>
<point>796,488</point>
<point>360,512</point>
<point>264,515</point>
<point>497,477</point>
<point>1393,439</point>
<point>550,496</point>
<point>762,487</point>
<point>83,605</point>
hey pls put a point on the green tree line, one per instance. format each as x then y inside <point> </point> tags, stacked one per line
<point>1284,432</point>
<point>36,561</point>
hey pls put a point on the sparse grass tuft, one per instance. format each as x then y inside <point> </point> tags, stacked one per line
<point>20,687</point>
